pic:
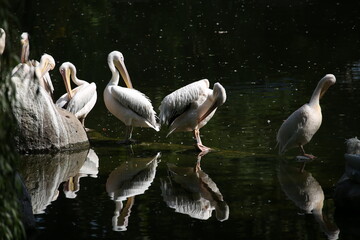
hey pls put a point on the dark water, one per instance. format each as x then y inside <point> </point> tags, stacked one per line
<point>269,55</point>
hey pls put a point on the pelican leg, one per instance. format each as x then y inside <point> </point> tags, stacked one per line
<point>128,139</point>
<point>305,154</point>
<point>199,144</point>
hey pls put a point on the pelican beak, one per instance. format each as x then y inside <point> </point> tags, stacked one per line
<point>120,65</point>
<point>329,81</point>
<point>325,88</point>
<point>210,110</point>
<point>66,77</point>
<point>71,185</point>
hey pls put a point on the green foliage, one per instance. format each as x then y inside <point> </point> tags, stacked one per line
<point>11,226</point>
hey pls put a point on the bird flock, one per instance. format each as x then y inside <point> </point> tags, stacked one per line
<point>186,109</point>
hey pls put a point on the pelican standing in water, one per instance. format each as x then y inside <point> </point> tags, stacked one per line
<point>191,107</point>
<point>130,106</point>
<point>298,129</point>
<point>79,100</point>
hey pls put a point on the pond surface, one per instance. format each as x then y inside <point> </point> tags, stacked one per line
<point>268,56</point>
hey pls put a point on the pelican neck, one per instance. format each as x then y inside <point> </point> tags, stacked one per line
<point>315,98</point>
<point>75,79</point>
<point>115,74</point>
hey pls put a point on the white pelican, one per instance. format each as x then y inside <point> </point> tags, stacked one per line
<point>45,80</point>
<point>301,125</point>
<point>79,100</point>
<point>191,107</point>
<point>2,41</point>
<point>25,47</point>
<point>130,106</point>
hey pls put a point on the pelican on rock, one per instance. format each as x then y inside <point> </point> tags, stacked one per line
<point>80,100</point>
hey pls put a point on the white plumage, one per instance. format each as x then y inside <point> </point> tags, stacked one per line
<point>80,100</point>
<point>299,128</point>
<point>130,106</point>
<point>191,107</point>
<point>46,64</point>
<point>2,41</point>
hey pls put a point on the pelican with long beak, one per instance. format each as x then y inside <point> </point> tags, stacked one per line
<point>42,69</point>
<point>299,128</point>
<point>80,100</point>
<point>130,106</point>
<point>191,107</point>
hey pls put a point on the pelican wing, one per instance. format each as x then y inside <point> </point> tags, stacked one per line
<point>180,100</point>
<point>136,101</point>
<point>292,129</point>
<point>62,101</point>
<point>81,98</point>
<point>48,84</point>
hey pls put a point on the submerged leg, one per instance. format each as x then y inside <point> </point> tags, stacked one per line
<point>128,135</point>
<point>199,144</point>
<point>128,139</point>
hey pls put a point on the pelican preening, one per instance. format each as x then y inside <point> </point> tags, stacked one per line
<point>130,106</point>
<point>79,100</point>
<point>46,64</point>
<point>191,107</point>
<point>301,125</point>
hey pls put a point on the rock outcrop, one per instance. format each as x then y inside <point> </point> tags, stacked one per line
<point>42,126</point>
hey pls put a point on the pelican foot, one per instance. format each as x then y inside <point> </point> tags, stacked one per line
<point>203,149</point>
<point>89,129</point>
<point>305,158</point>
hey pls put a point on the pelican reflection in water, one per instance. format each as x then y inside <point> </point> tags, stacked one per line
<point>191,107</point>
<point>299,128</point>
<point>130,179</point>
<point>43,174</point>
<point>189,190</point>
<point>89,168</point>
<point>306,193</point>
